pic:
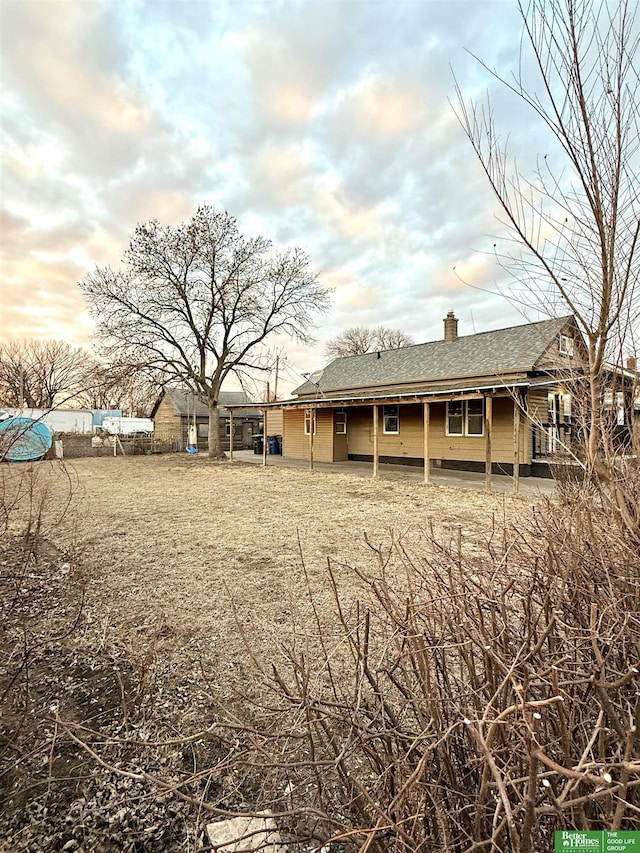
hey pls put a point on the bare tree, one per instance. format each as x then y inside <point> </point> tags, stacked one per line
<point>573,225</point>
<point>119,386</point>
<point>360,339</point>
<point>40,373</point>
<point>194,303</point>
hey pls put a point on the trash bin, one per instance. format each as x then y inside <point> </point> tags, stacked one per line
<point>258,444</point>
<point>272,445</point>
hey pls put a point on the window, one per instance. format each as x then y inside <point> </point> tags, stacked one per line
<point>566,345</point>
<point>307,421</point>
<point>455,417</point>
<point>475,417</point>
<point>228,428</point>
<point>340,421</point>
<point>465,417</point>
<point>390,420</point>
<point>559,408</point>
<point>203,430</point>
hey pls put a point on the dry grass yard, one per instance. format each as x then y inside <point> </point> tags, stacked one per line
<point>170,541</point>
<point>147,590</point>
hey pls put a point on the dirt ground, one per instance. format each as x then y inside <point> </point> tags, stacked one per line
<point>141,605</point>
<point>172,541</point>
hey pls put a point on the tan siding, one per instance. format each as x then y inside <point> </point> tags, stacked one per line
<point>538,406</point>
<point>409,442</point>
<point>296,443</point>
<point>274,421</point>
<point>167,421</point>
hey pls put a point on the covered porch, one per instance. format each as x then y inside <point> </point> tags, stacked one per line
<point>481,430</point>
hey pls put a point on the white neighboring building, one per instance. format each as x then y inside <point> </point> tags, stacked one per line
<point>58,420</point>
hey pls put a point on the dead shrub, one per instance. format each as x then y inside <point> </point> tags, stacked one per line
<point>467,702</point>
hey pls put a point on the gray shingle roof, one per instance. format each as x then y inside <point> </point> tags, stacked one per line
<point>184,402</point>
<point>486,353</point>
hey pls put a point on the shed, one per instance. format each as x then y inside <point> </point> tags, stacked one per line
<point>175,409</point>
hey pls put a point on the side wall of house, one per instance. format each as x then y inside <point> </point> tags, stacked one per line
<point>408,444</point>
<point>296,443</point>
<point>274,422</point>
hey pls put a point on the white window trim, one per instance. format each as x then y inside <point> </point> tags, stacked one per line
<point>386,431</point>
<point>341,423</point>
<point>566,345</point>
<point>465,421</point>
<point>446,422</point>
<point>307,419</point>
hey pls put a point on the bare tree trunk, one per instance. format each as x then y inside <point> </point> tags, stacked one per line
<point>215,445</point>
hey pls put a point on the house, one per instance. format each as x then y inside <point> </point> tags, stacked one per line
<point>176,410</point>
<point>494,401</point>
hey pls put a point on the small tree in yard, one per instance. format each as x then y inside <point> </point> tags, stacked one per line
<point>195,302</point>
<point>573,224</point>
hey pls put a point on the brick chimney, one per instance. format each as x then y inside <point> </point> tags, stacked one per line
<point>450,326</point>
<point>632,363</point>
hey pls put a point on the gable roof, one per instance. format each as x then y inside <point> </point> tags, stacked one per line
<point>184,402</point>
<point>518,348</point>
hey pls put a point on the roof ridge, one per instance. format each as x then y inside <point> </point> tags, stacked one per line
<point>564,318</point>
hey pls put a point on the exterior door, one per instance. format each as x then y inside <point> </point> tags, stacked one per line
<point>247,436</point>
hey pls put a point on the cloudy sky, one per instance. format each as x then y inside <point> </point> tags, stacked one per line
<point>320,123</point>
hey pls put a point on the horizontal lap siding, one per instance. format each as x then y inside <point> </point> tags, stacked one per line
<point>539,406</point>
<point>166,422</point>
<point>473,447</point>
<point>296,443</point>
<point>274,422</point>
<point>409,442</point>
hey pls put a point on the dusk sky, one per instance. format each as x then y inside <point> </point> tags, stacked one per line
<point>326,125</point>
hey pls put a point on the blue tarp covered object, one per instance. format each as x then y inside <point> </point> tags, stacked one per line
<point>23,439</point>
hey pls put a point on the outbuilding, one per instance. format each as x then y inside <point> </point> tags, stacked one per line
<point>176,410</point>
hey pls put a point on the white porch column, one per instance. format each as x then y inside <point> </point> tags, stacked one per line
<point>427,413</point>
<point>375,441</point>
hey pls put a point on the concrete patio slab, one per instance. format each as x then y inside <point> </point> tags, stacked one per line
<point>530,487</point>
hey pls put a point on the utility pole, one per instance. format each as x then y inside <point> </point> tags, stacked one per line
<point>21,368</point>
<point>275,388</point>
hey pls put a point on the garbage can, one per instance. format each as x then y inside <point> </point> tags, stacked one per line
<point>258,444</point>
<point>272,445</point>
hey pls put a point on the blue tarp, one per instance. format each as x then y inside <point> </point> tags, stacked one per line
<point>23,439</point>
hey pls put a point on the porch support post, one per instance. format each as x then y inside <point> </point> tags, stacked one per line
<point>375,440</point>
<point>264,436</point>
<point>488,422</point>
<point>231,435</point>
<point>312,427</point>
<point>427,413</point>
<point>516,441</point>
